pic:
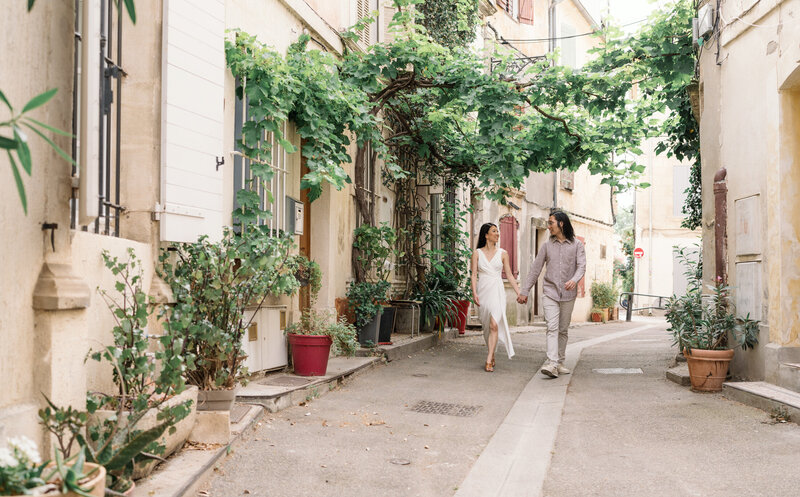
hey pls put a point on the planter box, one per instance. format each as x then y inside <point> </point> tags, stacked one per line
<point>216,400</point>
<point>171,442</point>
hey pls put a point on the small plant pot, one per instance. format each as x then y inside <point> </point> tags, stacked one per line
<point>369,333</point>
<point>387,324</point>
<point>310,354</point>
<point>597,317</point>
<point>216,400</point>
<point>96,484</point>
<point>708,368</point>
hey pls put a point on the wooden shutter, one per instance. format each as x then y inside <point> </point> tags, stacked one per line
<point>582,282</point>
<point>193,73</point>
<point>508,242</point>
<point>526,12</point>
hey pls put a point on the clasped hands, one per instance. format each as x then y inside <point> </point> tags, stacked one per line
<point>523,299</point>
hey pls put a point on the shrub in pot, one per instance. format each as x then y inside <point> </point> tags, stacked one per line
<point>604,296</point>
<point>214,283</point>
<point>450,268</point>
<point>148,373</point>
<point>313,338</point>
<point>373,247</point>
<point>706,329</point>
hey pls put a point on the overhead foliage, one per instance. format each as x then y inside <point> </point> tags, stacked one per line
<point>438,104</point>
<point>450,23</point>
<point>660,61</point>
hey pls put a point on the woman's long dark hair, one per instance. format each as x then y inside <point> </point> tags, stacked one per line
<point>566,227</point>
<point>482,234</point>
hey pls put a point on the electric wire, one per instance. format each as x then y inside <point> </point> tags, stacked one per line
<point>590,33</point>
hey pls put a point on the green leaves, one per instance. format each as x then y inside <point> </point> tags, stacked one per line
<point>18,143</point>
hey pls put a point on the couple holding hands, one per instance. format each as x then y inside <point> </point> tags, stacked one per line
<point>565,258</point>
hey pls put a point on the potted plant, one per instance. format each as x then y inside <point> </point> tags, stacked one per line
<point>314,336</point>
<point>437,303</point>
<point>451,266</point>
<point>23,473</point>
<point>597,314</point>
<point>706,329</point>
<point>214,283</point>
<point>307,273</point>
<point>373,248</point>
<point>604,297</point>
<point>151,390</point>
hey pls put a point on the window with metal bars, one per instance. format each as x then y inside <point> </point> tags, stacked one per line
<point>508,6</point>
<point>243,177</point>
<point>106,219</point>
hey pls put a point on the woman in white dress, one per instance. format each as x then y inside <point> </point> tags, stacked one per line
<point>489,294</point>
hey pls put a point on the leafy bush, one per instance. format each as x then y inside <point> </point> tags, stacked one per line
<point>604,295</point>
<point>213,283</point>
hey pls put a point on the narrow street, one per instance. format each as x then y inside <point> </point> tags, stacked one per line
<point>621,432</point>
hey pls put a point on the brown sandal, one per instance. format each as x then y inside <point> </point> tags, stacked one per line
<point>492,362</point>
<point>489,368</point>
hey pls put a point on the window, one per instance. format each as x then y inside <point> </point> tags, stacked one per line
<point>369,35</point>
<point>508,242</point>
<point>368,180</point>
<point>508,6</point>
<point>569,55</point>
<point>436,221</point>
<point>680,182</point>
<point>96,117</point>
<point>567,180</point>
<point>243,176</point>
<point>526,12</point>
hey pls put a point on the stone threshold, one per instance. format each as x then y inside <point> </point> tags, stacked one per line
<point>765,396</point>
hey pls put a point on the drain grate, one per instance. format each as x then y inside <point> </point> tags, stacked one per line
<point>426,406</point>
<point>285,381</point>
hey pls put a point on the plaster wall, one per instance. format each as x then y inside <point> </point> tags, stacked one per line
<point>37,48</point>
<point>757,144</point>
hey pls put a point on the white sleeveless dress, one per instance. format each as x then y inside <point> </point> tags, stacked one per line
<point>492,297</point>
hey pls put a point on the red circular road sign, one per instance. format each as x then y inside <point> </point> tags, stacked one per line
<point>638,252</point>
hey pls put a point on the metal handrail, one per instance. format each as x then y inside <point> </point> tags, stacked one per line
<point>629,308</point>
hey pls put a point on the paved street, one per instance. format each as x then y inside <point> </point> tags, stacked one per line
<point>589,433</point>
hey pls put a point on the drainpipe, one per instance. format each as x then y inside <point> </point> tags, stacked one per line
<point>720,225</point>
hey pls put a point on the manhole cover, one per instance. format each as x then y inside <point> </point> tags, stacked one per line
<point>420,375</point>
<point>400,462</point>
<point>618,371</point>
<point>238,412</point>
<point>463,411</point>
<point>285,381</point>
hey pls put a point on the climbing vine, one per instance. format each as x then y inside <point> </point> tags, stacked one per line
<point>450,23</point>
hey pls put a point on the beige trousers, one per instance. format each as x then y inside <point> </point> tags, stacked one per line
<point>557,315</point>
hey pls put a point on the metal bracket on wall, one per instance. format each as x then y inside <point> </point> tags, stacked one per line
<point>52,227</point>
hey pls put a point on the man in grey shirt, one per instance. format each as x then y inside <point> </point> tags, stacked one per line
<point>566,265</point>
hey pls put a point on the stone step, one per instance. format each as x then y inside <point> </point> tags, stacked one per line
<point>764,396</point>
<point>679,374</point>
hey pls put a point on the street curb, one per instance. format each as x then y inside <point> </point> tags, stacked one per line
<point>765,396</point>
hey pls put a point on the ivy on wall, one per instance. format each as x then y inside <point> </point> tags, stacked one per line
<point>450,23</point>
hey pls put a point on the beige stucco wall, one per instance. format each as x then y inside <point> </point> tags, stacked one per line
<point>658,229</point>
<point>750,126</point>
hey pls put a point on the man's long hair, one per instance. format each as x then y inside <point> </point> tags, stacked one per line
<point>563,222</point>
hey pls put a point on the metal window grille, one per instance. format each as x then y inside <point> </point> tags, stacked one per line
<point>243,178</point>
<point>436,221</point>
<point>110,130</point>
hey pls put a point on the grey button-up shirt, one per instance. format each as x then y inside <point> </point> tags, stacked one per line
<point>565,261</point>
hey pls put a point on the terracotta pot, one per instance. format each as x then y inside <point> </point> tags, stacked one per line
<point>216,400</point>
<point>708,368</point>
<point>310,353</point>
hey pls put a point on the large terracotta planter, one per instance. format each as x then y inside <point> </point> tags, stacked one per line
<point>171,442</point>
<point>310,354</point>
<point>461,310</point>
<point>708,368</point>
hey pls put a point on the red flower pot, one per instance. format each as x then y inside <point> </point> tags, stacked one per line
<point>310,354</point>
<point>462,308</point>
